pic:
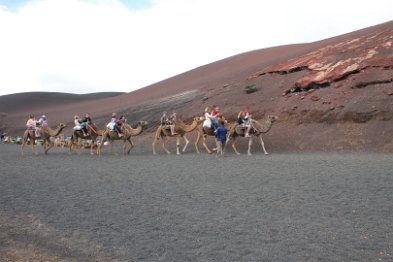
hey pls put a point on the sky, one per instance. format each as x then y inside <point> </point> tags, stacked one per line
<point>87,46</point>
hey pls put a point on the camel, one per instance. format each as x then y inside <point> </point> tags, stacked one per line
<point>203,132</point>
<point>257,130</point>
<point>128,132</point>
<point>181,129</point>
<point>92,133</point>
<point>46,133</point>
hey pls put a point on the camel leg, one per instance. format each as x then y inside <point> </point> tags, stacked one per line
<point>263,145</point>
<point>23,145</point>
<point>70,148</point>
<point>234,145</point>
<point>185,146</point>
<point>177,145</point>
<point>197,142</point>
<point>124,146</point>
<point>249,146</point>
<point>163,141</point>
<point>21,148</point>
<point>205,145</point>
<point>99,152</point>
<point>49,146</point>
<point>98,149</point>
<point>154,146</point>
<point>32,146</point>
<point>111,147</point>
<point>91,147</point>
<point>156,136</point>
<point>131,145</point>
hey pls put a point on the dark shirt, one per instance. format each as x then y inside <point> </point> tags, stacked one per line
<point>164,121</point>
<point>221,133</point>
<point>87,120</point>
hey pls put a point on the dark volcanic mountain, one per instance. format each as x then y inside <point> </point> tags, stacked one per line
<point>335,94</point>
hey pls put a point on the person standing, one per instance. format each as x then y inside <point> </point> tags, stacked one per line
<point>221,138</point>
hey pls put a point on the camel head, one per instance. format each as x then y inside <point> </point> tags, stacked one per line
<point>199,119</point>
<point>143,123</point>
<point>62,125</point>
<point>272,118</point>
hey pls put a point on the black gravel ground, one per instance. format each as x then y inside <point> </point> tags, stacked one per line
<point>280,207</point>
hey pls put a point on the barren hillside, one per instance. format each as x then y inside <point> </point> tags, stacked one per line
<point>335,94</point>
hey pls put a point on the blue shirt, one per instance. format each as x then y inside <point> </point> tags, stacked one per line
<point>221,133</point>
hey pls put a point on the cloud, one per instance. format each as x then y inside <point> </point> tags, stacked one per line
<point>102,45</point>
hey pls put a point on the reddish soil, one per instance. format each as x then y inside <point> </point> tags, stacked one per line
<point>335,94</point>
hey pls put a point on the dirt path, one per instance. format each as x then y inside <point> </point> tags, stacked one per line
<point>281,207</point>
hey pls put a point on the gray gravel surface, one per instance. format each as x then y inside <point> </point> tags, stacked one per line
<point>280,207</point>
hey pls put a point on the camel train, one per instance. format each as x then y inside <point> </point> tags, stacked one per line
<point>179,130</point>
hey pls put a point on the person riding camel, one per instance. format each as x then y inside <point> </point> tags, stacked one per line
<point>168,122</point>
<point>244,121</point>
<point>164,119</point>
<point>39,123</point>
<point>78,125</point>
<point>112,123</point>
<point>216,115</point>
<point>43,120</point>
<point>32,125</point>
<point>172,123</point>
<point>86,122</point>
<point>119,124</point>
<point>247,123</point>
<point>208,118</point>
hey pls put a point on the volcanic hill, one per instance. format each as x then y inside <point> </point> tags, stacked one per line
<point>334,94</point>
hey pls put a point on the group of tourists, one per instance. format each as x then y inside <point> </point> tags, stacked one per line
<point>115,124</point>
<point>212,119</point>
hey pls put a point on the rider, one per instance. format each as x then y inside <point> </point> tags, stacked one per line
<point>86,122</point>
<point>119,125</point>
<point>32,124</point>
<point>247,122</point>
<point>78,125</point>
<point>43,120</point>
<point>172,123</point>
<point>240,120</point>
<point>112,123</point>
<point>216,114</point>
<point>164,119</point>
<point>208,118</point>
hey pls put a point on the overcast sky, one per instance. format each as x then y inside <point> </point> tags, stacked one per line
<point>85,46</point>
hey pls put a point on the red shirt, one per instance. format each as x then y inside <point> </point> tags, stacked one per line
<point>216,113</point>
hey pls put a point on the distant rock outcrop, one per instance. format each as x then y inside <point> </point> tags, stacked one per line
<point>335,62</point>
